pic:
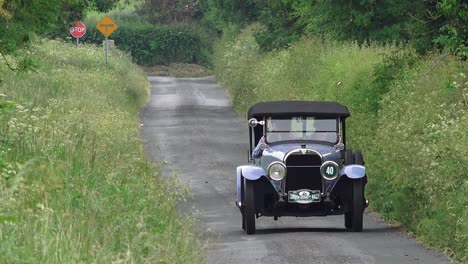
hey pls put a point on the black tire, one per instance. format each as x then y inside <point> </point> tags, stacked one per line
<point>243,221</point>
<point>348,160</point>
<point>242,209</point>
<point>349,157</point>
<point>249,207</point>
<point>358,205</point>
<point>348,220</point>
<point>358,157</point>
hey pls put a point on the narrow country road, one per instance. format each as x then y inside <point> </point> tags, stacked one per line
<point>191,126</point>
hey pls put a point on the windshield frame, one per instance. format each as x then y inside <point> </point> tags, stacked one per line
<point>337,130</point>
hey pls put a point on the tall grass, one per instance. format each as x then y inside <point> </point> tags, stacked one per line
<point>408,115</point>
<point>419,155</point>
<point>74,184</point>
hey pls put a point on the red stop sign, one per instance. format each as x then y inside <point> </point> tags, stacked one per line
<point>78,30</point>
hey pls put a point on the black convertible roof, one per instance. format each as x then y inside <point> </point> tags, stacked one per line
<point>298,108</point>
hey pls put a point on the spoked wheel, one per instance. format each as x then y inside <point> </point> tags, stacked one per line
<point>248,217</point>
<point>358,206</point>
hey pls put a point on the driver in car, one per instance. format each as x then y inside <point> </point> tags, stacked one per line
<point>281,126</point>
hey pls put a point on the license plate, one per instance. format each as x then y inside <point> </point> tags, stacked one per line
<point>304,196</point>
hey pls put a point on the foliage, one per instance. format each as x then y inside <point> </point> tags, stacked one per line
<point>236,60</point>
<point>4,14</point>
<point>151,45</point>
<point>122,16</point>
<point>454,33</point>
<point>409,116</point>
<point>170,11</point>
<point>422,24</point>
<point>392,68</point>
<point>418,158</point>
<point>105,5</point>
<point>75,186</point>
<point>221,13</point>
<point>396,21</point>
<point>281,25</point>
<point>19,20</point>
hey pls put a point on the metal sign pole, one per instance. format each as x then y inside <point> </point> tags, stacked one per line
<point>107,49</point>
<point>77,41</point>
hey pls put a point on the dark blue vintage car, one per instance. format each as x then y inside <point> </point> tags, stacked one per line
<point>299,164</point>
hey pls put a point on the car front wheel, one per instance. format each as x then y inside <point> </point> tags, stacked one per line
<point>348,217</point>
<point>249,208</point>
<point>348,220</point>
<point>356,215</point>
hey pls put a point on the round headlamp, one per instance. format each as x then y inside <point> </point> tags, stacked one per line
<point>329,170</point>
<point>277,171</point>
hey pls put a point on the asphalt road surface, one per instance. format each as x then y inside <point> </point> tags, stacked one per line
<point>190,125</point>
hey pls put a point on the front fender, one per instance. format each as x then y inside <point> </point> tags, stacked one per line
<point>249,172</point>
<point>353,171</point>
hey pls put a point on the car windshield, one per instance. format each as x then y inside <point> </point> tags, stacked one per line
<point>301,128</point>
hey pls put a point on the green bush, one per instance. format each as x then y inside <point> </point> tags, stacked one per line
<point>75,186</point>
<point>152,45</point>
<point>408,115</point>
<point>419,157</point>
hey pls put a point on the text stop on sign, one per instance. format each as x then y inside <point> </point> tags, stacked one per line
<point>78,31</point>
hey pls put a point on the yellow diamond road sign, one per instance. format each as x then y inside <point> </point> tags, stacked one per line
<point>106,26</point>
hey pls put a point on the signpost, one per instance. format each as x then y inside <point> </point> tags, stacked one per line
<point>78,31</point>
<point>107,26</point>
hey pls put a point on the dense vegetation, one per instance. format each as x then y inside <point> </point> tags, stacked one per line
<point>409,115</point>
<point>75,185</point>
<point>422,24</point>
<point>152,45</point>
<point>21,20</point>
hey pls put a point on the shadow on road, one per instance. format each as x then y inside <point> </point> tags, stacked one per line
<point>322,230</point>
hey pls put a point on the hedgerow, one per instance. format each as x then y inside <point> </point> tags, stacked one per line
<point>163,44</point>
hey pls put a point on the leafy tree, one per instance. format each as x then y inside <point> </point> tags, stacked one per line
<point>4,14</point>
<point>170,11</point>
<point>105,5</point>
<point>453,30</point>
<point>221,13</point>
<point>419,23</point>
<point>20,19</point>
<point>282,25</point>
<point>377,20</point>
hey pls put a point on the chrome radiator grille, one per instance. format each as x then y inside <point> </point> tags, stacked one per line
<point>303,172</point>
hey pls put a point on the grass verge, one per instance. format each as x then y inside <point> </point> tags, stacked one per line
<point>75,186</point>
<point>409,116</point>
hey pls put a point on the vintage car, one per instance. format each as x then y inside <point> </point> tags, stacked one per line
<point>300,165</point>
